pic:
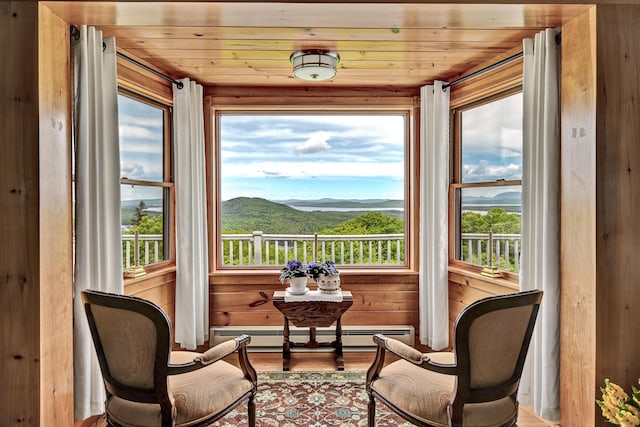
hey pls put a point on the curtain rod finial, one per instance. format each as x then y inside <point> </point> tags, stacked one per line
<point>75,32</point>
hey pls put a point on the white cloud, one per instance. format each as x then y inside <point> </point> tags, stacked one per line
<point>275,175</point>
<point>312,169</point>
<point>316,143</point>
<point>484,171</point>
<point>130,131</point>
<point>131,170</point>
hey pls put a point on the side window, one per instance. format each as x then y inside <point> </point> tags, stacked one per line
<point>312,186</point>
<point>487,182</point>
<point>146,181</point>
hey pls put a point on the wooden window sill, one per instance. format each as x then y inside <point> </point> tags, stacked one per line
<point>499,285</point>
<point>155,272</point>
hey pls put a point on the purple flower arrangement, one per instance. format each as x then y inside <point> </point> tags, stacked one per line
<point>295,268</point>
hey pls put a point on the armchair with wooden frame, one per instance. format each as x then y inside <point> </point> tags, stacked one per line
<point>149,385</point>
<point>476,384</point>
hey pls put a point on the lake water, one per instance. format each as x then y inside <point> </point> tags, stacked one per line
<point>334,209</point>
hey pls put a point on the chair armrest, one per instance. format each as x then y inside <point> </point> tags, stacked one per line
<point>212,355</point>
<point>218,352</point>
<point>403,350</point>
<point>414,356</point>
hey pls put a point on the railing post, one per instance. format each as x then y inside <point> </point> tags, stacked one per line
<point>257,247</point>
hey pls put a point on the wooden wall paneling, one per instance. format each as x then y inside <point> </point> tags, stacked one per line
<point>158,287</point>
<point>246,300</point>
<point>19,228</point>
<point>56,267</point>
<point>309,92</point>
<point>617,159</point>
<point>578,238</point>
<point>477,87</point>
<point>137,79</point>
<point>274,318</point>
<point>138,286</point>
<point>467,287</point>
<point>322,97</point>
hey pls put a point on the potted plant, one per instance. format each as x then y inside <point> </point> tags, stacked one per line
<point>326,275</point>
<point>296,272</point>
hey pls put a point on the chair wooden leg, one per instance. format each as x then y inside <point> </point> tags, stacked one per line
<point>371,409</point>
<point>251,405</point>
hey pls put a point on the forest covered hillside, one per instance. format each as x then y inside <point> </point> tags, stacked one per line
<point>245,215</point>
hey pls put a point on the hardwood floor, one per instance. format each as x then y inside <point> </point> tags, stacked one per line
<point>323,361</point>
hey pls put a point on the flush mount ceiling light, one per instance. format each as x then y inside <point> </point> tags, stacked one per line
<point>314,65</point>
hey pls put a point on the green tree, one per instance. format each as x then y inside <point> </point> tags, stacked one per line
<point>496,220</point>
<point>149,225</point>
<point>369,223</point>
<point>146,225</point>
<point>372,223</point>
<point>139,212</point>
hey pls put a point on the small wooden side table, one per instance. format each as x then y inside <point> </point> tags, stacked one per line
<point>312,314</point>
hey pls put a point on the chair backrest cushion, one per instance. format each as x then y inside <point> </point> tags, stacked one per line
<point>495,343</point>
<point>129,344</point>
<point>492,337</point>
<point>132,338</point>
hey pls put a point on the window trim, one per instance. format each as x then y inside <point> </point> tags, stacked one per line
<point>168,179</point>
<point>455,185</point>
<point>411,189</point>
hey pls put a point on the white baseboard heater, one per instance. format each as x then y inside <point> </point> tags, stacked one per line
<point>354,338</point>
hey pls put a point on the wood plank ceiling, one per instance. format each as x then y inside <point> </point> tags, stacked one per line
<point>380,44</point>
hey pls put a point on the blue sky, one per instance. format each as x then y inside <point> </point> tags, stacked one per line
<point>492,141</point>
<point>140,146</point>
<point>312,156</point>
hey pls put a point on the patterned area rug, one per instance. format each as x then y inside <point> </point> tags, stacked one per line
<point>313,399</point>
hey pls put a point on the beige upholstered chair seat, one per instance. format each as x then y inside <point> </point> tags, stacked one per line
<point>426,394</point>
<point>194,397</point>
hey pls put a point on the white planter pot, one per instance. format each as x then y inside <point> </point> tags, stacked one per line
<point>298,284</point>
<point>329,284</point>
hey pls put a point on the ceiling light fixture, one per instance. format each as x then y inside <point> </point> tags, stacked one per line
<point>314,65</point>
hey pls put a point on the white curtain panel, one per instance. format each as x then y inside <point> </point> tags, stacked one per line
<point>192,269</point>
<point>540,219</point>
<point>98,251</point>
<point>434,228</point>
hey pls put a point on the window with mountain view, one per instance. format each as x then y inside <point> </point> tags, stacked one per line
<point>487,182</point>
<point>146,184</point>
<point>312,187</point>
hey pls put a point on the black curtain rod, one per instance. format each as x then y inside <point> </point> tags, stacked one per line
<point>496,65</point>
<point>151,70</point>
<point>75,33</point>
<point>483,70</point>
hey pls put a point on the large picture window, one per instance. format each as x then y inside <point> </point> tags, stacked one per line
<point>487,184</point>
<point>311,186</point>
<point>146,181</point>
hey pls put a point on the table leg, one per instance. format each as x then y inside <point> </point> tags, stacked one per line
<point>338,345</point>
<point>313,342</point>
<point>286,346</point>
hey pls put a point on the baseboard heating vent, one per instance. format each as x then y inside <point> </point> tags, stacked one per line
<point>269,338</point>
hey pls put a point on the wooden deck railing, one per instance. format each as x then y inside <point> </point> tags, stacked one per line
<point>276,249</point>
<point>150,249</point>
<point>506,250</point>
<point>261,249</point>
